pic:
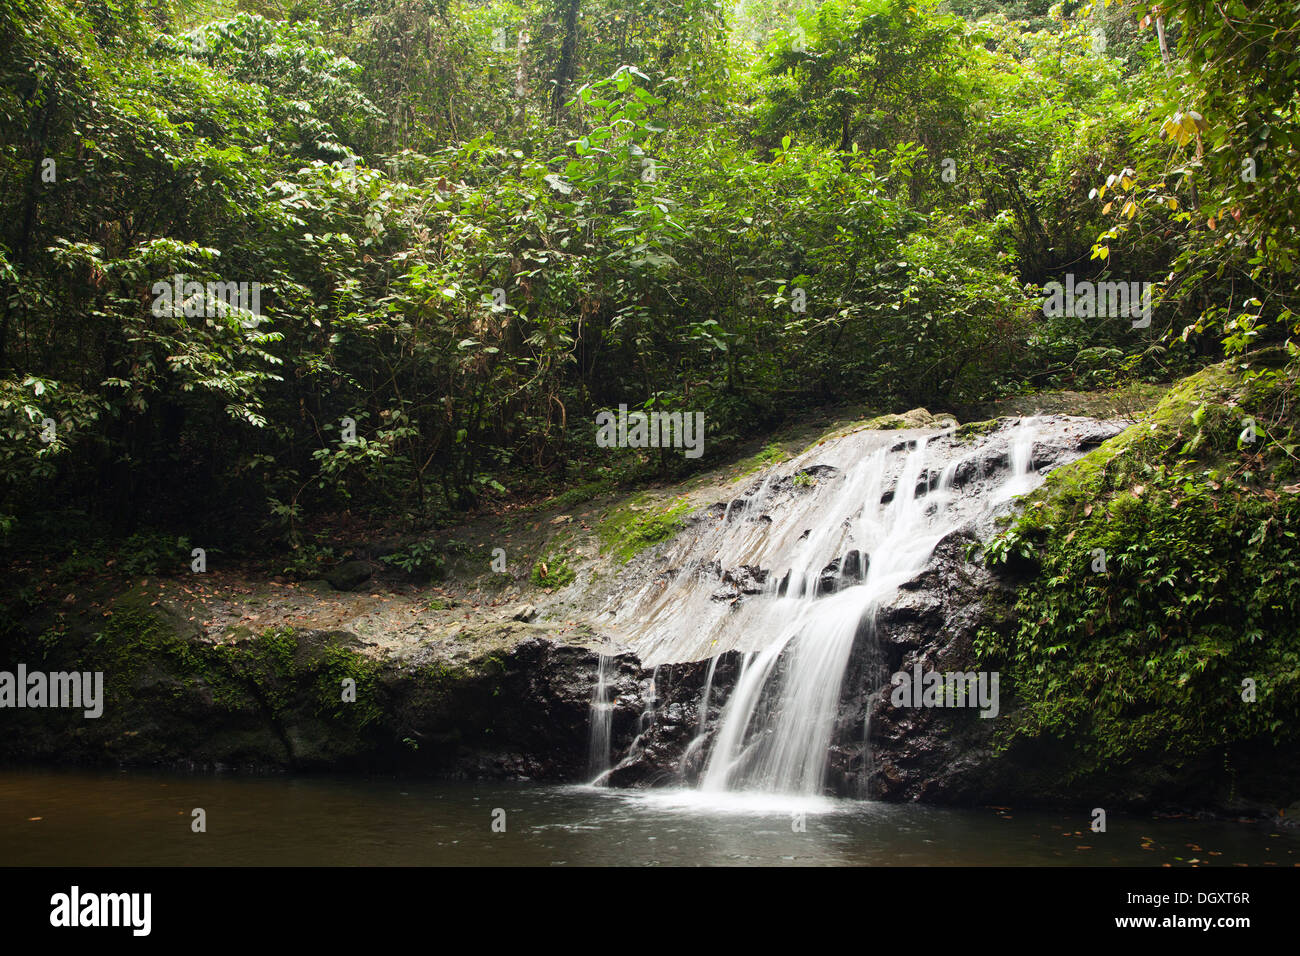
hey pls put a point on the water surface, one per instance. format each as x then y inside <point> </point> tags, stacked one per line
<point>58,818</point>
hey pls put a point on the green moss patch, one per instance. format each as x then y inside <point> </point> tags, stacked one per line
<point>552,572</point>
<point>629,531</point>
<point>770,455</point>
<point>973,430</point>
<point>276,672</point>
<point>1167,587</point>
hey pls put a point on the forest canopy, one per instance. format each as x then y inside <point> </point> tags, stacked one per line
<point>266,261</point>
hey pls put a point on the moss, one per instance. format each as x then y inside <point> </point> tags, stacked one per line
<point>584,492</point>
<point>552,572</point>
<point>886,423</point>
<point>629,531</point>
<point>770,455</point>
<point>973,430</point>
<point>916,418</point>
<point>262,668</point>
<point>1166,574</point>
<point>578,494</point>
<point>1196,426</point>
<point>438,681</point>
<point>440,672</point>
<point>276,672</point>
<point>337,665</point>
<point>136,640</point>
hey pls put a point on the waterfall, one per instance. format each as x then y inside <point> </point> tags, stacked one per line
<point>697,742</point>
<point>602,712</point>
<point>797,679</point>
<point>704,698</point>
<point>1022,461</point>
<point>791,574</point>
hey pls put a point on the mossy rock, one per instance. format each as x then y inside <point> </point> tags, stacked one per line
<point>1168,579</point>
<point>552,572</point>
<point>916,418</point>
<point>973,430</point>
<point>630,530</point>
<point>349,575</point>
<point>1198,422</point>
<point>769,455</point>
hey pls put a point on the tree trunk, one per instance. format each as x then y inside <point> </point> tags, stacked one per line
<point>521,89</point>
<point>568,50</point>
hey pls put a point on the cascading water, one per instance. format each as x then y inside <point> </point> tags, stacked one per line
<point>700,736</point>
<point>602,712</point>
<point>792,574</point>
<point>1022,462</point>
<point>787,751</point>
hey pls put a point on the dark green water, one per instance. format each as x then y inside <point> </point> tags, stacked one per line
<point>88,819</point>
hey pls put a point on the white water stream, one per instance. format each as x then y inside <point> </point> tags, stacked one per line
<point>757,577</point>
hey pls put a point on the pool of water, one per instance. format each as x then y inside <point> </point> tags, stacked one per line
<point>58,818</point>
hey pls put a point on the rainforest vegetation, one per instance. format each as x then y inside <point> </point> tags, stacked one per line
<point>471,226</point>
<point>269,268</point>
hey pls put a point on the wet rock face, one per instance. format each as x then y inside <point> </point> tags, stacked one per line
<point>745,579</point>
<point>515,706</point>
<point>514,700</point>
<point>526,716</point>
<point>1062,439</point>
<point>921,753</point>
<point>659,737</point>
<point>937,754</point>
<point>917,754</point>
<point>944,754</point>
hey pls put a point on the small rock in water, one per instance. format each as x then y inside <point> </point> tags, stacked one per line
<point>525,612</point>
<point>855,564</point>
<point>829,580</point>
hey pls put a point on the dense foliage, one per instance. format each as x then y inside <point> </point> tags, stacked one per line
<point>1160,617</point>
<point>473,225</point>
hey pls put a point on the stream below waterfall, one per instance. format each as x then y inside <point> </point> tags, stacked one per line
<point>76,818</point>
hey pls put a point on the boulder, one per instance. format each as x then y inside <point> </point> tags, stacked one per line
<point>349,575</point>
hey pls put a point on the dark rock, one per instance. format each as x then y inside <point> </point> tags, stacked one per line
<point>714,511</point>
<point>745,579</point>
<point>349,575</point>
<point>855,565</point>
<point>829,581</point>
<point>842,572</point>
